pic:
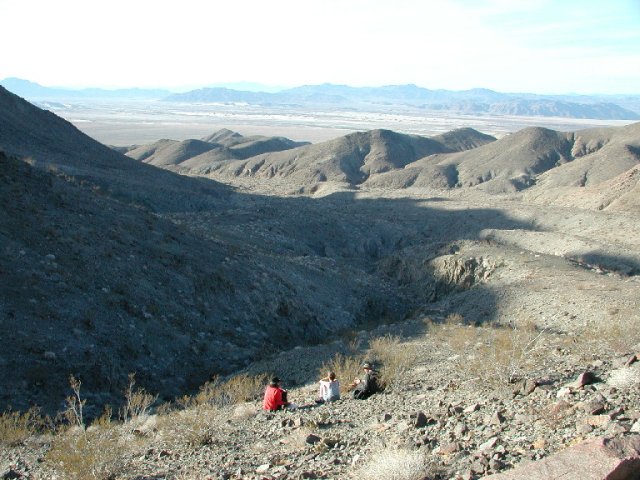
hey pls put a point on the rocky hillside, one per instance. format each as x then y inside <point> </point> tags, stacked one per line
<point>196,156</point>
<point>590,168</point>
<point>351,159</point>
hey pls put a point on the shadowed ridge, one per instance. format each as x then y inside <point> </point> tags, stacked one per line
<point>51,142</point>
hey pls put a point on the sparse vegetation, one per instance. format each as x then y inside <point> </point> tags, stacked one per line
<point>394,358</point>
<point>237,389</point>
<point>495,355</point>
<point>15,427</point>
<point>98,453</point>
<point>74,413</point>
<point>393,464</point>
<point>137,401</point>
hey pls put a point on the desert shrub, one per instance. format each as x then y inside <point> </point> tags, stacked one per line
<point>394,358</point>
<point>137,401</point>
<point>193,427</point>
<point>237,389</point>
<point>94,454</point>
<point>16,427</point>
<point>392,464</point>
<point>619,334</point>
<point>346,368</point>
<point>74,411</point>
<point>496,355</point>
<point>455,319</point>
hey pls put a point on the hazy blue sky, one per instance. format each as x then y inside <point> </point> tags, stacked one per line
<point>543,46</point>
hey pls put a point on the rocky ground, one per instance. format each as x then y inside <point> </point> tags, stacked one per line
<point>461,423</point>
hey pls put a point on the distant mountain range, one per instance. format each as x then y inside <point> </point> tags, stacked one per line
<point>477,101</point>
<point>473,102</point>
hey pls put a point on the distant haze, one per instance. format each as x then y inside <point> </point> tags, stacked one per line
<point>541,46</point>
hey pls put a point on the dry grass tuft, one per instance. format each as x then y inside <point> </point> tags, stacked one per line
<point>137,401</point>
<point>394,464</point>
<point>98,453</point>
<point>194,427</point>
<point>394,358</point>
<point>237,389</point>
<point>496,355</point>
<point>16,427</point>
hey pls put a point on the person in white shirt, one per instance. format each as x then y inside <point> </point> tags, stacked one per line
<point>329,389</point>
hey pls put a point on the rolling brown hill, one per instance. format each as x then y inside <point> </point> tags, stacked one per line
<point>544,163</point>
<point>350,159</point>
<point>194,156</point>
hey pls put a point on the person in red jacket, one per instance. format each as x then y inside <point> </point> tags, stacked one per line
<point>275,398</point>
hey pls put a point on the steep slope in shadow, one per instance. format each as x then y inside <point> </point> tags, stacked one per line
<point>51,142</point>
<point>98,289</point>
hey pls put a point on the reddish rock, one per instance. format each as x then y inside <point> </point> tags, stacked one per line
<point>595,459</point>
<point>585,378</point>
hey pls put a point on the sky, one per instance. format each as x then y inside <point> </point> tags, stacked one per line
<point>542,46</point>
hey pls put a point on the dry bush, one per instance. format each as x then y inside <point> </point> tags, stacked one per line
<point>618,334</point>
<point>394,357</point>
<point>346,368</point>
<point>74,413</point>
<point>244,411</point>
<point>496,355</point>
<point>16,427</point>
<point>98,453</point>
<point>237,389</point>
<point>137,401</point>
<point>455,319</point>
<point>193,427</point>
<point>392,464</point>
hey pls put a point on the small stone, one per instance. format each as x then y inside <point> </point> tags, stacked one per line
<point>564,392</point>
<point>474,407</point>
<point>631,360</point>
<point>488,445</point>
<point>421,420</point>
<point>601,421</point>
<point>583,428</point>
<point>448,448</point>
<point>497,419</point>
<point>385,417</point>
<point>614,429</point>
<point>585,378</point>
<point>635,428</point>
<point>539,444</point>
<point>263,468</point>
<point>312,439</point>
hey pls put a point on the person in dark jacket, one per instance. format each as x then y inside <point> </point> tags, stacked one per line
<point>275,398</point>
<point>367,385</point>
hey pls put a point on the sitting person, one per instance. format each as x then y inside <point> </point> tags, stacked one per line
<point>329,389</point>
<point>275,398</point>
<point>367,385</point>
